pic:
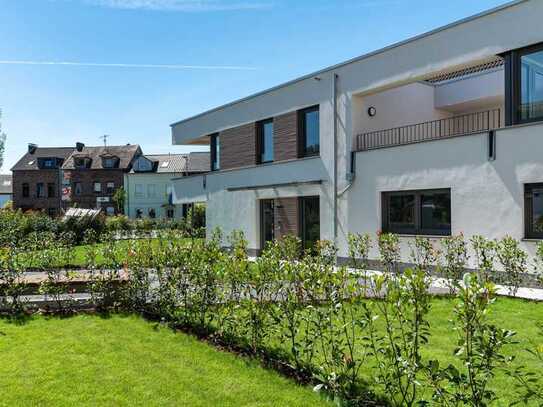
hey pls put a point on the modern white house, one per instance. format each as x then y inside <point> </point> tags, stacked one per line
<point>148,185</point>
<point>440,134</point>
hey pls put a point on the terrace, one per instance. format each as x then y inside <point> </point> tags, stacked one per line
<point>451,104</point>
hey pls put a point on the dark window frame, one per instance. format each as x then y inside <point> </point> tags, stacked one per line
<point>214,144</point>
<point>110,191</point>
<point>262,203</point>
<point>260,142</point>
<point>78,191</point>
<point>301,219</point>
<point>529,233</point>
<point>51,190</point>
<point>302,139</point>
<point>417,228</point>
<point>513,84</point>
<point>25,190</point>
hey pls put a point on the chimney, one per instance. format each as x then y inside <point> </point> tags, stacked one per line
<point>32,148</point>
<point>79,146</point>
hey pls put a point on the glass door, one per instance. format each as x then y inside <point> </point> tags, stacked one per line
<point>310,221</point>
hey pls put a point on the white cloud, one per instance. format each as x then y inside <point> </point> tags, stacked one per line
<point>121,65</point>
<point>181,5</point>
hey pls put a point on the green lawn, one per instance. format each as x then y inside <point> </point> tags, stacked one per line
<point>125,360</point>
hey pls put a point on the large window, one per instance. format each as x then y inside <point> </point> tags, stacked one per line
<point>531,85</point>
<point>215,152</point>
<point>426,212</point>
<point>309,131</point>
<point>265,141</point>
<point>533,207</point>
<point>26,190</point>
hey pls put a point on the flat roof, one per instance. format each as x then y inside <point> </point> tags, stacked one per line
<point>359,58</point>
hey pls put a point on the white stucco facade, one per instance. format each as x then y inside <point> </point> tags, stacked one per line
<point>486,195</point>
<point>146,192</point>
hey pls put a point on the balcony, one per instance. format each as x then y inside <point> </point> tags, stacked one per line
<point>454,126</point>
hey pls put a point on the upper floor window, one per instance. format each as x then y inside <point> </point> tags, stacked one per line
<point>110,187</point>
<point>425,212</point>
<point>97,187</point>
<point>531,84</point>
<point>51,189</point>
<point>26,190</point>
<point>138,190</point>
<point>151,190</point>
<point>309,131</point>
<point>265,141</point>
<point>110,162</point>
<point>533,208</point>
<point>77,188</point>
<point>82,162</point>
<point>215,148</point>
<point>524,85</point>
<point>40,190</point>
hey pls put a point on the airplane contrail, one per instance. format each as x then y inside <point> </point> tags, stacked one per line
<point>120,65</point>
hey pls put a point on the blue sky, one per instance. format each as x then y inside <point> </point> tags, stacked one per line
<point>216,51</point>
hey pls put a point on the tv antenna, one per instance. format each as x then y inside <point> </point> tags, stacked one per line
<point>104,139</point>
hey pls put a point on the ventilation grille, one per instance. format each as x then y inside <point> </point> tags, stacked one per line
<point>465,72</point>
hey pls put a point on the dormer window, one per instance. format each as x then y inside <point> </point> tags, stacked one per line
<point>82,162</point>
<point>110,162</point>
<point>47,163</point>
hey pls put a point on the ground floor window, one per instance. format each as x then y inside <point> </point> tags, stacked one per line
<point>170,213</point>
<point>267,221</point>
<point>309,221</point>
<point>110,211</point>
<point>139,213</point>
<point>152,213</point>
<point>533,207</point>
<point>424,212</point>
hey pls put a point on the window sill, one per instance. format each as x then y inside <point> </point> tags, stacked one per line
<point>403,235</point>
<point>532,239</point>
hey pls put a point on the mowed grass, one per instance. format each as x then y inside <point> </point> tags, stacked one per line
<point>126,360</point>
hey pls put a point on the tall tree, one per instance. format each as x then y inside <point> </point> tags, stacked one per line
<point>2,141</point>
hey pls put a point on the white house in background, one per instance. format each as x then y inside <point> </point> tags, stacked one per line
<point>6,189</point>
<point>436,135</point>
<point>148,185</point>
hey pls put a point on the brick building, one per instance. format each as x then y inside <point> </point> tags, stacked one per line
<point>92,175</point>
<point>37,179</point>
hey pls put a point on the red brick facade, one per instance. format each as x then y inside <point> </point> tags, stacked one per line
<point>86,178</point>
<point>51,186</point>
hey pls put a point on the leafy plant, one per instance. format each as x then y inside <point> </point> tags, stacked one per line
<point>513,260</point>
<point>485,250</point>
<point>454,254</point>
<point>398,350</point>
<point>479,351</point>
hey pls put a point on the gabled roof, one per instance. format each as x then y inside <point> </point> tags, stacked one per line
<point>6,186</point>
<point>126,155</point>
<point>30,161</point>
<point>179,163</point>
<point>168,163</point>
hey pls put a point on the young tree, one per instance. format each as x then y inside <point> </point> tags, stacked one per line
<point>119,198</point>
